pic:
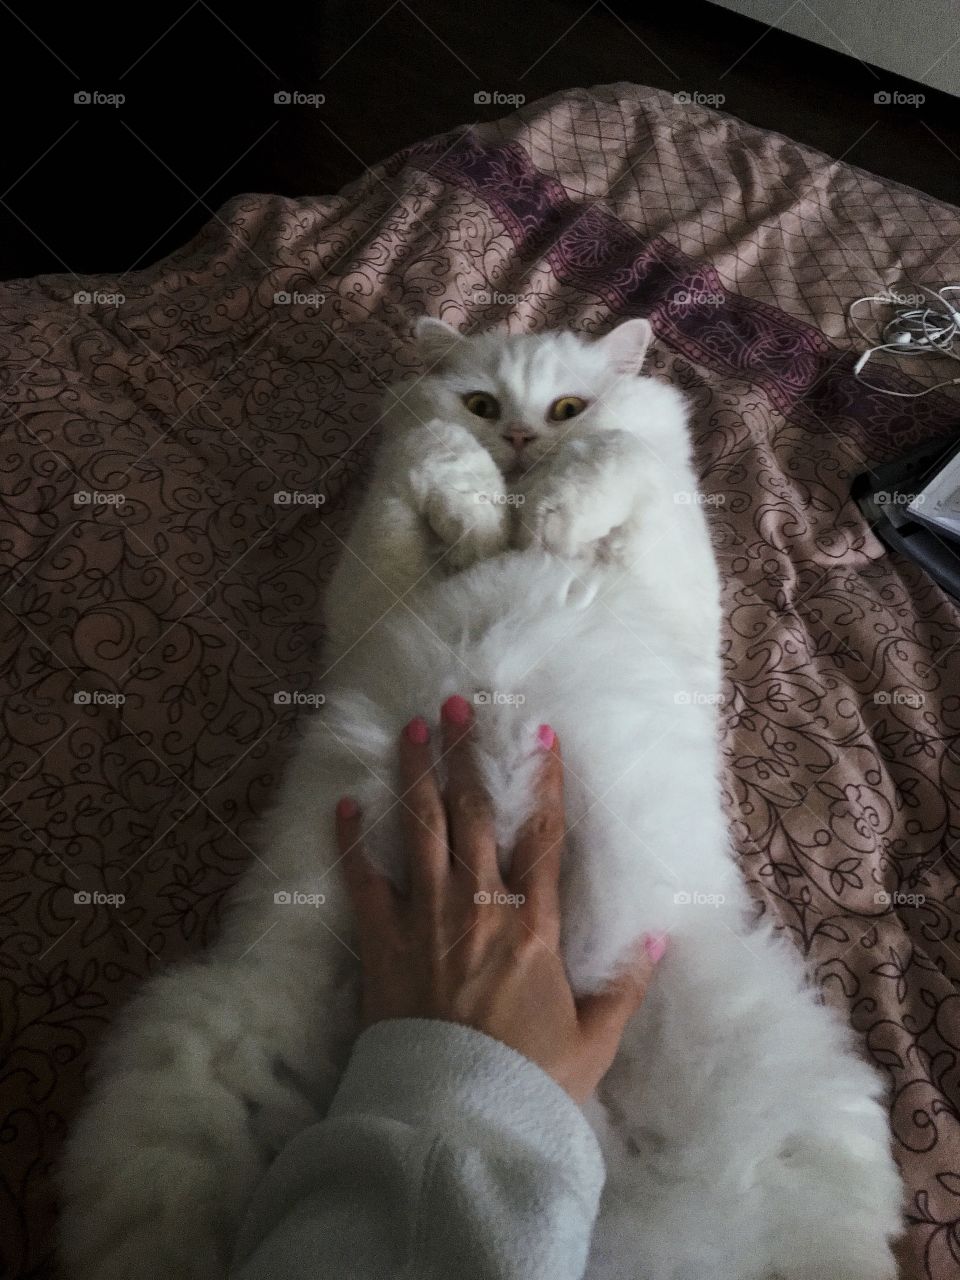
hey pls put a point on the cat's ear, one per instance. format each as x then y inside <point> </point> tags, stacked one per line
<point>626,345</point>
<point>435,340</point>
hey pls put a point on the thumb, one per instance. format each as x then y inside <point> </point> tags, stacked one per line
<point>603,1017</point>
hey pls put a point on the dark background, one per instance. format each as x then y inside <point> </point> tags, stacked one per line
<point>101,188</point>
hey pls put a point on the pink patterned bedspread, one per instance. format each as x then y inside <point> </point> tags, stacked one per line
<point>157,597</point>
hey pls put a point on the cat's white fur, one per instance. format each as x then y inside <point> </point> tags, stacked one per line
<point>744,1137</point>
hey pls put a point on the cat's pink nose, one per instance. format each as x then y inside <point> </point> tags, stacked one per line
<point>519,439</point>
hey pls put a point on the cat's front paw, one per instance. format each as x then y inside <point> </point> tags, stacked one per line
<point>473,524</point>
<point>458,491</point>
<point>566,520</point>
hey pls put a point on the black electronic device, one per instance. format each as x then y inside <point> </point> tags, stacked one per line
<point>891,499</point>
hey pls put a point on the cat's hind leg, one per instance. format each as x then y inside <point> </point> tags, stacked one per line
<point>753,1139</point>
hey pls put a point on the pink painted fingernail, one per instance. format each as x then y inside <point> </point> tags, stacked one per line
<point>456,710</point>
<point>347,808</point>
<point>655,944</point>
<point>417,731</point>
<point>546,737</point>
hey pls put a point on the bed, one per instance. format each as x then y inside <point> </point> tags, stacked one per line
<point>163,573</point>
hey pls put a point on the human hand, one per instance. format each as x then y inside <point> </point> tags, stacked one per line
<point>469,945</point>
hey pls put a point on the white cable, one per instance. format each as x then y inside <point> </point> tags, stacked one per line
<point>913,331</point>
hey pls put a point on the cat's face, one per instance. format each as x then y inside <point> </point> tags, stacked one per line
<point>522,395</point>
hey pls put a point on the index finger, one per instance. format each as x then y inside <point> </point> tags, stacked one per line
<point>538,853</point>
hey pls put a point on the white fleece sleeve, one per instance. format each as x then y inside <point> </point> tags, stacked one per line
<point>444,1154</point>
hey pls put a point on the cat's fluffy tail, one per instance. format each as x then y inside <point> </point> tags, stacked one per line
<point>162,1160</point>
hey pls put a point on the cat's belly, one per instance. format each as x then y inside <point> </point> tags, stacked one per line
<point>630,689</point>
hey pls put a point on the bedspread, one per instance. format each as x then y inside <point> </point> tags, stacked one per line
<point>180,452</point>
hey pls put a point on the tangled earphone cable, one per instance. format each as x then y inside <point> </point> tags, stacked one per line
<point>915,329</point>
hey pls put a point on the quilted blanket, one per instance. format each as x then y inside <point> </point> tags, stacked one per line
<point>163,571</point>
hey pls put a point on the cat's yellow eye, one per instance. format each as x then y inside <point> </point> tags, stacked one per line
<point>482,404</point>
<point>566,407</point>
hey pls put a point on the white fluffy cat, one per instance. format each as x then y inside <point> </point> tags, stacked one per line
<point>522,542</point>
